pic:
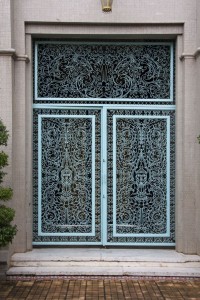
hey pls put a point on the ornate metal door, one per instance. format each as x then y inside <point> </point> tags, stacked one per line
<point>141,154</point>
<point>67,183</point>
<point>103,144</point>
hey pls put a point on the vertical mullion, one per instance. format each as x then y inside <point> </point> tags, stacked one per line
<point>172,73</point>
<point>114,175</point>
<point>39,174</point>
<point>93,175</point>
<point>104,175</point>
<point>36,73</point>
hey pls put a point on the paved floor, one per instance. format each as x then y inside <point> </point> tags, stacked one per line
<point>101,262</point>
<point>103,288</point>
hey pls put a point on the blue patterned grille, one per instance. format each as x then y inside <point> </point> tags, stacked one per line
<point>104,71</point>
<point>141,177</point>
<point>67,174</point>
<point>104,173</point>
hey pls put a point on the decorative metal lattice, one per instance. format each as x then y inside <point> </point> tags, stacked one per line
<point>116,71</point>
<point>69,185</point>
<point>141,176</point>
<point>67,176</point>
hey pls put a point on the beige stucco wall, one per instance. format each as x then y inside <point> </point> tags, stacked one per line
<point>175,19</point>
<point>6,81</point>
<point>198,126</point>
<point>89,12</point>
<point>6,88</point>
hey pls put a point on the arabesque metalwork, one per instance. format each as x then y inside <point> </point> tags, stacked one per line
<point>104,143</point>
<point>104,71</point>
<point>141,176</point>
<point>67,175</point>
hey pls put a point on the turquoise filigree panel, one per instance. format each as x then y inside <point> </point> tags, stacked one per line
<point>67,175</point>
<point>141,176</point>
<point>104,71</point>
<point>104,143</point>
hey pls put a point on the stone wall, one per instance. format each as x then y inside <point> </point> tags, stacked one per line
<point>21,20</point>
<point>198,126</point>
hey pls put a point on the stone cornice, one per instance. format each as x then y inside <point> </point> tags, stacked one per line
<point>21,58</point>
<point>7,52</point>
<point>11,52</point>
<point>197,52</point>
<point>190,55</point>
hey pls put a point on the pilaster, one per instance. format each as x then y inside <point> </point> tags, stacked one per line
<point>189,169</point>
<point>19,158</point>
<point>188,215</point>
<point>20,145</point>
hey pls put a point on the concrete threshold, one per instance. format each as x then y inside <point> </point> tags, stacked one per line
<point>104,262</point>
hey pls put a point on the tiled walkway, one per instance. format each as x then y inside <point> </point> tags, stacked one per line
<point>103,288</point>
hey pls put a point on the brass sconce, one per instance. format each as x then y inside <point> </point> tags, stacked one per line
<point>107,5</point>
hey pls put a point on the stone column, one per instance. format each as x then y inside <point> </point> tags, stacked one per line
<point>20,146</point>
<point>19,158</point>
<point>187,235</point>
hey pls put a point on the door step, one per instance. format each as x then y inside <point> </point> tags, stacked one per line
<point>104,262</point>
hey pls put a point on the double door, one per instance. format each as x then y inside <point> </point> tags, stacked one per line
<point>104,175</point>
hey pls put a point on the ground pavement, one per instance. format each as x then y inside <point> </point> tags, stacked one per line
<point>90,288</point>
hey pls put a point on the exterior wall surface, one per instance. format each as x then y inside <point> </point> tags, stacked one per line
<point>131,19</point>
<point>198,126</point>
<point>6,85</point>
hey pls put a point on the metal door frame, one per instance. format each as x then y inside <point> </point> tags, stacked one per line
<point>104,108</point>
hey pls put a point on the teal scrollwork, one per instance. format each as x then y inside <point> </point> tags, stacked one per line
<point>129,71</point>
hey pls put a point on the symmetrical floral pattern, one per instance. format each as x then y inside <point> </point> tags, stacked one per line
<point>132,71</point>
<point>141,176</point>
<point>66,175</point>
<point>102,73</point>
